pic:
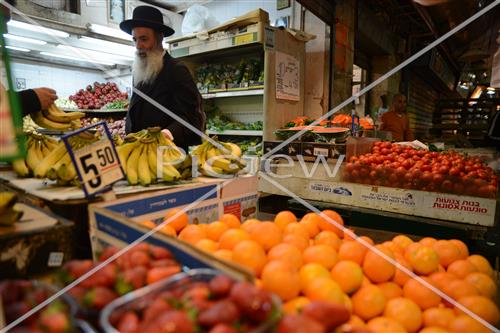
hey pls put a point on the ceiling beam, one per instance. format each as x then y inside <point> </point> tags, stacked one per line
<point>324,9</point>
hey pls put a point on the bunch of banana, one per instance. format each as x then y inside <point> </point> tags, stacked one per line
<point>38,146</point>
<point>8,213</point>
<point>58,165</point>
<point>218,158</point>
<point>55,119</point>
<point>147,156</point>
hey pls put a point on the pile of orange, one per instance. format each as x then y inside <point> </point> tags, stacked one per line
<point>312,259</point>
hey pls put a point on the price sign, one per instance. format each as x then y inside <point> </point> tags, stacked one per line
<point>97,164</point>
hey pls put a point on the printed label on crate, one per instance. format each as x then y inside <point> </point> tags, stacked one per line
<point>330,188</point>
<point>234,208</point>
<point>165,201</point>
<point>392,198</point>
<point>459,205</point>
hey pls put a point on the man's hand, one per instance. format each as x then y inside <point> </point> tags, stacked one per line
<point>166,133</point>
<point>46,96</point>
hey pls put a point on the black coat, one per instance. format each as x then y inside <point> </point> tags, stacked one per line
<point>175,90</point>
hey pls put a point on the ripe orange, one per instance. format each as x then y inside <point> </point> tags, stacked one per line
<point>295,305</point>
<point>207,245</point>
<point>483,283</point>
<point>231,220</point>
<point>391,290</point>
<point>281,279</point>
<point>401,277</point>
<point>284,218</point>
<point>461,268</point>
<point>349,234</point>
<point>149,224</point>
<point>459,288</point>
<point>481,306</point>
<point>328,238</point>
<point>411,249</point>
<point>368,302</point>
<point>464,251</point>
<point>310,272</point>
<point>424,297</point>
<point>442,279</point>
<point>296,229</point>
<point>324,289</point>
<point>223,254</point>
<point>192,234</point>
<point>249,224</point>
<point>287,253</point>
<point>433,329</point>
<point>402,240</point>
<point>322,254</point>
<point>482,265</point>
<point>466,324</point>
<point>377,268</point>
<point>438,317</point>
<point>299,242</point>
<point>395,248</point>
<point>447,252</point>
<point>348,275</point>
<point>168,230</point>
<point>423,259</point>
<point>405,312</point>
<point>352,250</point>
<point>215,229</point>
<point>311,222</point>
<point>385,325</point>
<point>267,234</point>
<point>354,322</point>
<point>178,222</point>
<point>232,237</point>
<point>428,241</point>
<point>251,255</point>
<point>327,223</point>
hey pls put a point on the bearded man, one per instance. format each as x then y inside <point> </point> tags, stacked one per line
<point>164,79</point>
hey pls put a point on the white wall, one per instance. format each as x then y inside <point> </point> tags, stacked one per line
<point>65,80</point>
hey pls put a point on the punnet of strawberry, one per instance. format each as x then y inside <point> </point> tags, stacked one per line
<point>394,165</point>
<point>201,300</point>
<point>142,265</point>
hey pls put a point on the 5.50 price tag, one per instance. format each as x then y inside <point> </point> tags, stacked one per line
<point>97,164</point>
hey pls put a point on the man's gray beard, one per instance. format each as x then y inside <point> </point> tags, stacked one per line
<point>145,70</point>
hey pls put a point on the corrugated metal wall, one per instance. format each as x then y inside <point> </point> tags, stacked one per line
<point>422,99</point>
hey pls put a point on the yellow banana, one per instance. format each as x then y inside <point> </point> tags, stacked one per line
<point>234,148</point>
<point>66,172</point>
<point>51,159</point>
<point>7,201</point>
<point>32,158</point>
<point>132,165</point>
<point>152,160</point>
<point>55,114</point>
<point>40,119</point>
<point>124,152</point>
<point>11,216</point>
<point>20,168</point>
<point>143,167</point>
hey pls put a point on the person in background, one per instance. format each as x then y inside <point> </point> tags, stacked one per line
<point>32,100</point>
<point>382,109</point>
<point>162,78</point>
<point>396,120</point>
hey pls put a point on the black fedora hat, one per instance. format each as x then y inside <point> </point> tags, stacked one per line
<point>149,17</point>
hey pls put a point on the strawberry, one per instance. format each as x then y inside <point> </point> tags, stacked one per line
<point>98,297</point>
<point>159,273</point>
<point>107,253</point>
<point>104,277</point>
<point>160,253</point>
<point>128,323</point>
<point>139,258</point>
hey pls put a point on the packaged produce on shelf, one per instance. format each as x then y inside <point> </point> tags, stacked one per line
<point>139,158</point>
<point>20,296</point>
<point>311,259</point>
<point>395,165</point>
<point>249,147</point>
<point>225,76</point>
<point>222,123</point>
<point>98,95</point>
<point>200,300</point>
<point>8,213</point>
<point>55,119</point>
<point>65,103</point>
<point>223,159</point>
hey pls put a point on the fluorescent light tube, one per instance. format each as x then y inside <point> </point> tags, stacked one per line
<point>93,53</point>
<point>37,28</point>
<point>15,48</point>
<point>25,39</point>
<point>104,30</point>
<point>106,43</point>
<point>63,56</point>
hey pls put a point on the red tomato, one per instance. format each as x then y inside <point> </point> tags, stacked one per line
<point>447,186</point>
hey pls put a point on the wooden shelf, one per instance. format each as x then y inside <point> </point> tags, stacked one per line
<point>236,93</point>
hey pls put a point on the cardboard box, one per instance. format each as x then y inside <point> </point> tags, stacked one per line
<point>455,208</point>
<point>116,222</point>
<point>36,244</point>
